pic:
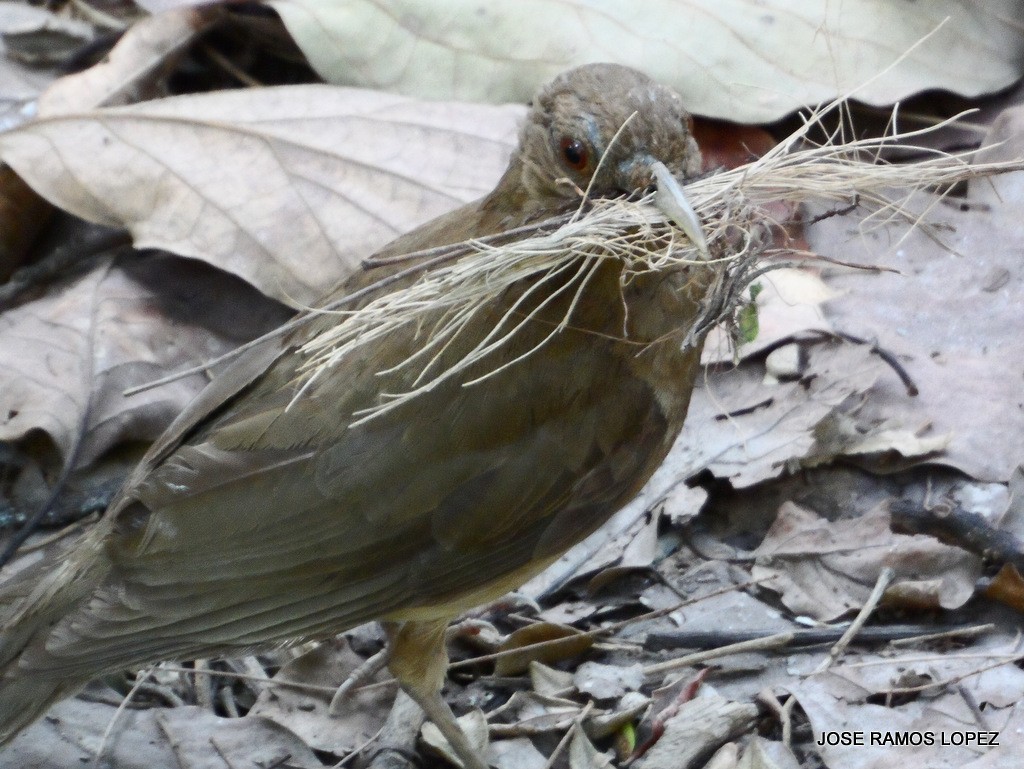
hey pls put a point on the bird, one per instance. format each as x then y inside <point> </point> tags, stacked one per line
<point>266,515</point>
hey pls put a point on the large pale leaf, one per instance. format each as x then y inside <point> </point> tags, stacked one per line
<point>745,60</point>
<point>286,187</point>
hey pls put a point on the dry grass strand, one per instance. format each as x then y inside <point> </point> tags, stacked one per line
<point>732,205</point>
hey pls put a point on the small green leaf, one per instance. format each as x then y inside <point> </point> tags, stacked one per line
<point>625,740</point>
<point>746,321</point>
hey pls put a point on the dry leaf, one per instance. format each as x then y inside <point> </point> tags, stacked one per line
<point>607,682</point>
<point>70,355</point>
<point>839,435</point>
<point>517,753</point>
<point>824,569</point>
<point>474,726</point>
<point>39,37</point>
<point>697,730</point>
<point>836,706</point>
<point>286,187</point>
<point>20,84</point>
<point>539,713</point>
<point>750,61</point>
<point>746,432</point>
<point>1011,516</point>
<point>560,642</point>
<point>129,73</point>
<point>765,754</point>
<point>952,317</point>
<point>306,713</point>
<point>987,670</point>
<point>549,681</point>
<point>729,145</point>
<point>619,721</point>
<point>154,738</point>
<point>583,754</point>
<point>726,757</point>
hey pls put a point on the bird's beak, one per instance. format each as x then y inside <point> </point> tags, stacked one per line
<point>673,203</point>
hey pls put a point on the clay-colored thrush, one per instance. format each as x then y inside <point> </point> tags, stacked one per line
<point>262,517</point>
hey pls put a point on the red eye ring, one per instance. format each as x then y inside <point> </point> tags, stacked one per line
<point>575,153</point>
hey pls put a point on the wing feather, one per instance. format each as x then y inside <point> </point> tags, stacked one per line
<point>241,537</point>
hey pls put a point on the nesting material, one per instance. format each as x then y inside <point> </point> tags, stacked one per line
<point>734,207</point>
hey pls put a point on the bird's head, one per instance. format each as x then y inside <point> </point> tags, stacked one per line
<point>568,135</point>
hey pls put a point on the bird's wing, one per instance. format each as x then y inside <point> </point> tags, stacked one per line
<point>470,221</point>
<point>277,520</point>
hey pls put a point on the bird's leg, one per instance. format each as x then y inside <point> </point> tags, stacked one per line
<point>419,660</point>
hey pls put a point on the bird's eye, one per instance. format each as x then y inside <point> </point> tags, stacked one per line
<point>575,153</point>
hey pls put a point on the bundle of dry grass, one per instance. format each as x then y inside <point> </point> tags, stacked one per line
<point>561,252</point>
<point>732,207</point>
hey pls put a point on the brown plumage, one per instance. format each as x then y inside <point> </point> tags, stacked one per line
<point>260,519</point>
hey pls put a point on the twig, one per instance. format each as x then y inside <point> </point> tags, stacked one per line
<point>227,699</point>
<point>701,639</point>
<point>886,357</point>
<point>202,683</point>
<point>968,631</point>
<point>577,724</point>
<point>952,679</point>
<point>960,528</point>
<point>758,644</point>
<point>885,578</point>
<point>783,712</point>
<point>607,629</point>
<point>139,681</point>
<point>266,681</point>
<point>230,67</point>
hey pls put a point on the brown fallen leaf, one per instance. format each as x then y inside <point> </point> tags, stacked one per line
<point>70,355</point>
<point>728,145</point>
<point>560,642</point>
<point>824,569</point>
<point>1007,587</point>
<point>747,432</point>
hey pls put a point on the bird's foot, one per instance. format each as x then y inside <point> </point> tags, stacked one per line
<point>357,677</point>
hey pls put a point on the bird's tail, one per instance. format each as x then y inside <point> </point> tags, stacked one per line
<point>25,699</point>
<point>31,603</point>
